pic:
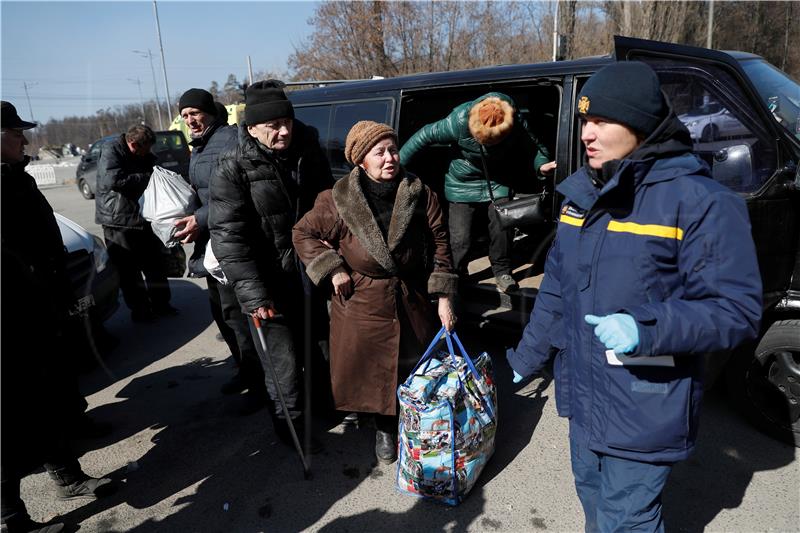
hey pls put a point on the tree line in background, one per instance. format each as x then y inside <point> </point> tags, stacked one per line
<point>357,40</point>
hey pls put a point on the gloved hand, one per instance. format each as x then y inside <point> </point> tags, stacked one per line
<point>517,377</point>
<point>617,332</point>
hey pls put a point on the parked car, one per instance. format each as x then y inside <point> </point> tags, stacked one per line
<point>95,281</point>
<point>713,122</point>
<point>170,148</point>
<point>760,162</point>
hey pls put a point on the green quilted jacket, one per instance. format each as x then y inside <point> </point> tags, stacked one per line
<point>513,163</point>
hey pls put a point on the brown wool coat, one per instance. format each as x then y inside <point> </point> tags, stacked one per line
<point>405,271</point>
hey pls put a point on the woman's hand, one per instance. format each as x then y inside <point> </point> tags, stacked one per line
<point>342,282</point>
<point>446,314</point>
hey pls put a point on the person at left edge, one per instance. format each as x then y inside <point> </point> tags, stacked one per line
<point>122,176</point>
<point>211,136</point>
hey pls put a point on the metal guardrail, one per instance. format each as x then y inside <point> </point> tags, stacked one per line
<point>43,174</point>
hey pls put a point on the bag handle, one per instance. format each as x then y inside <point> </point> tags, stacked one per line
<point>428,355</point>
<point>486,173</point>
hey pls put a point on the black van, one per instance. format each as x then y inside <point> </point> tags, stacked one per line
<point>744,117</point>
<point>170,149</point>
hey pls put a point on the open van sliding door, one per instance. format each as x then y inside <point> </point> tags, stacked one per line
<point>748,151</point>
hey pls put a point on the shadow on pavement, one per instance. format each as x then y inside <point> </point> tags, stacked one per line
<point>729,453</point>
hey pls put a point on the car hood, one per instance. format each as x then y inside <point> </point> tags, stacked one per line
<point>74,236</point>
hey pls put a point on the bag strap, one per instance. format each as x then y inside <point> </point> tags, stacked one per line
<point>486,173</point>
<point>426,357</point>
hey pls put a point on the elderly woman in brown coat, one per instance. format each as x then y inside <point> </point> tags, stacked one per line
<point>380,237</point>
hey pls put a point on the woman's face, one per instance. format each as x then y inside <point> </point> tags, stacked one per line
<point>382,162</point>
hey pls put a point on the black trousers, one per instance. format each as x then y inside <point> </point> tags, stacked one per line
<point>136,253</point>
<point>232,324</point>
<point>283,345</point>
<point>464,218</point>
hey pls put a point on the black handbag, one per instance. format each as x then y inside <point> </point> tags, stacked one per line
<point>517,212</point>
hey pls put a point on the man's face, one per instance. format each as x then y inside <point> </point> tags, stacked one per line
<point>275,134</point>
<point>196,120</point>
<point>139,149</point>
<point>606,141</point>
<point>13,145</point>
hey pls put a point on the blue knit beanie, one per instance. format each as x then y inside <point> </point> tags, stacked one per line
<point>627,92</point>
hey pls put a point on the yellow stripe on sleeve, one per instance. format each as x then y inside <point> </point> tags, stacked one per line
<point>652,230</point>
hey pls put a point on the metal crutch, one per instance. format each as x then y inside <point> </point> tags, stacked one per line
<point>263,339</point>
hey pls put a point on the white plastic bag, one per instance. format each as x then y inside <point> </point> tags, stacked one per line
<point>213,267</point>
<point>166,199</point>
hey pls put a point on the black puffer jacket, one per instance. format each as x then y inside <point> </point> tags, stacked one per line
<point>205,157</point>
<point>255,204</point>
<point>121,179</point>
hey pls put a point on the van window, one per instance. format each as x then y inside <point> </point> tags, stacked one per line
<point>169,141</point>
<point>317,117</point>
<point>344,116</point>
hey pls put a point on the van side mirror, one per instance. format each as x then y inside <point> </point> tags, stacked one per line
<point>733,166</point>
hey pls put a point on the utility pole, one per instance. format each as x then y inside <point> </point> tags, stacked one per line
<point>138,82</point>
<point>555,33</point>
<point>250,70</point>
<point>149,55</point>
<point>163,63</point>
<point>28,96</point>
<point>709,37</point>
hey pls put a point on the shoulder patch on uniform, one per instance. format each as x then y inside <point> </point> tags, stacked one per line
<point>572,215</point>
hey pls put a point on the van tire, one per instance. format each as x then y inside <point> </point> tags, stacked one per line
<point>768,394</point>
<point>86,191</point>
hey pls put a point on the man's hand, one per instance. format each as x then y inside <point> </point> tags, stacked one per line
<point>548,168</point>
<point>189,229</point>
<point>342,283</point>
<point>264,313</point>
<point>446,314</point>
<point>617,332</point>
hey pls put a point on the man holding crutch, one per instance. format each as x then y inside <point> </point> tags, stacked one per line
<point>261,188</point>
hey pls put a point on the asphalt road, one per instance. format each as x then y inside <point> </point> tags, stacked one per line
<point>186,461</point>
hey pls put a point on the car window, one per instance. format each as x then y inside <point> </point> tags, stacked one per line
<point>779,92</point>
<point>317,117</point>
<point>344,116</point>
<point>169,141</point>
<point>94,151</point>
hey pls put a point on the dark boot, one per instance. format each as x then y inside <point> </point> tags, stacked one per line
<point>385,447</point>
<point>26,525</point>
<point>72,483</point>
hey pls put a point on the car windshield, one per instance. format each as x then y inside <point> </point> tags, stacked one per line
<point>780,92</point>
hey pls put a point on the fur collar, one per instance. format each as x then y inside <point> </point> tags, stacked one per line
<point>350,202</point>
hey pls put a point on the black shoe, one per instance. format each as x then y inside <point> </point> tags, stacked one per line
<point>165,310</point>
<point>385,447</point>
<point>351,420</point>
<point>87,489</point>
<point>142,316</point>
<point>234,386</point>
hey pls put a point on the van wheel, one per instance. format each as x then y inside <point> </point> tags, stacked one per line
<point>766,387</point>
<point>86,191</point>
<point>710,134</point>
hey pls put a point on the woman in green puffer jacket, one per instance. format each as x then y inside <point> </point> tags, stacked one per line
<point>514,158</point>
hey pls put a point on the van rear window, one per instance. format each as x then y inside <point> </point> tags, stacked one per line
<point>344,116</point>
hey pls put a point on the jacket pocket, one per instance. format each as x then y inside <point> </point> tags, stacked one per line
<point>647,408</point>
<point>561,374</point>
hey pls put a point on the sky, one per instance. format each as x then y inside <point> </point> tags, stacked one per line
<point>76,57</point>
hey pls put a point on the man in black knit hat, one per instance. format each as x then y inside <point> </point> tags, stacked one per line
<point>211,136</point>
<point>260,191</point>
<point>652,267</point>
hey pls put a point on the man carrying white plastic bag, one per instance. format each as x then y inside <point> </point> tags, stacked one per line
<point>167,198</point>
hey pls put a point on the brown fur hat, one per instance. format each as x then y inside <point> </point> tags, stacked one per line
<point>362,137</point>
<point>490,120</point>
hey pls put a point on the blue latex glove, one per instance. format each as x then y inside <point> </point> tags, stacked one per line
<point>617,332</point>
<point>517,377</point>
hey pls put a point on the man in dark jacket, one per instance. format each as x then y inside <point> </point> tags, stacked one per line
<point>37,296</point>
<point>260,191</point>
<point>122,176</point>
<point>489,134</point>
<point>211,135</point>
<point>653,266</point>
